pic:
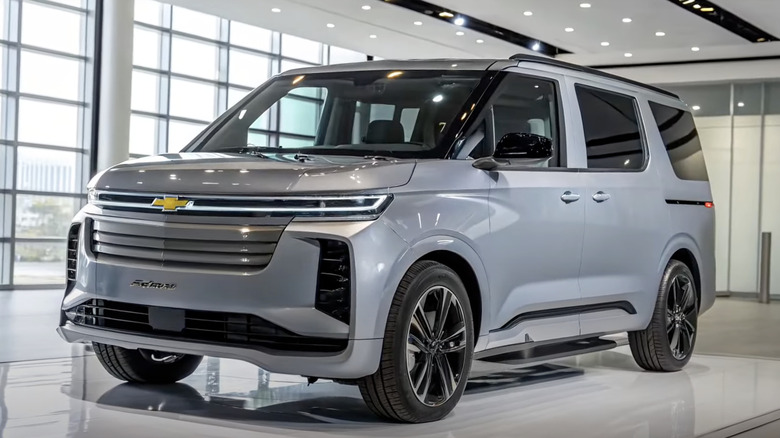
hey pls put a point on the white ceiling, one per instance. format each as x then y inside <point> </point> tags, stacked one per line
<point>398,37</point>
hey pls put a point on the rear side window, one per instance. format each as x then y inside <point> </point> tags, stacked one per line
<point>681,140</point>
<point>612,134</point>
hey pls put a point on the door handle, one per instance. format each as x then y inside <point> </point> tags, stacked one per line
<point>601,196</point>
<point>569,197</point>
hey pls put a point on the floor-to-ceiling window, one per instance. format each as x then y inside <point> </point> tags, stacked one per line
<point>45,133</point>
<point>739,126</point>
<point>189,67</point>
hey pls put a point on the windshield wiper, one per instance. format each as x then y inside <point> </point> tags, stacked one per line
<point>249,149</point>
<point>378,158</point>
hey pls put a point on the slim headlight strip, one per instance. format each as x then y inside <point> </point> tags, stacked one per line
<point>353,205</point>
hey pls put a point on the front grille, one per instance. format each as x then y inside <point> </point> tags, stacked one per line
<point>333,280</point>
<point>71,260</point>
<point>248,331</point>
<point>229,248</point>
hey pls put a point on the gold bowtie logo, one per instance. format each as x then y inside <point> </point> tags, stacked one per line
<point>171,203</point>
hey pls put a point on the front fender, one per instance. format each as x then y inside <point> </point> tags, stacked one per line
<point>416,251</point>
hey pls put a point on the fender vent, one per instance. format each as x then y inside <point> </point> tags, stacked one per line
<point>334,284</point>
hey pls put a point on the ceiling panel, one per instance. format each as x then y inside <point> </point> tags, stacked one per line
<point>764,14</point>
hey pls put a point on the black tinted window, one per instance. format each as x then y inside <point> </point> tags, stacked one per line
<point>681,140</point>
<point>612,135</point>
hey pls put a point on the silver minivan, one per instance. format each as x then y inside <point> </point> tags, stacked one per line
<point>386,223</point>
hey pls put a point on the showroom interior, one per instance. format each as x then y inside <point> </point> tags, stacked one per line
<point>88,84</point>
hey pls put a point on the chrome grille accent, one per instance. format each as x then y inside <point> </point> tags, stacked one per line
<point>184,246</point>
<point>72,256</point>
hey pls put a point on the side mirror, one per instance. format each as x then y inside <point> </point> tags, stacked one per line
<point>530,148</point>
<point>517,145</point>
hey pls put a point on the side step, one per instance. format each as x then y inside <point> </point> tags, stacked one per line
<point>531,352</point>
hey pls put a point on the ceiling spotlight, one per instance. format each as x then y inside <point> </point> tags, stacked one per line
<point>697,6</point>
<point>569,29</point>
<point>627,20</point>
<point>460,21</point>
<point>660,33</point>
<point>330,25</point>
<point>604,43</point>
<point>480,41</point>
<point>687,2</point>
<point>445,14</point>
<point>696,107</point>
<point>366,8</point>
<point>695,49</point>
<point>528,13</point>
<point>628,54</point>
<point>276,10</point>
<point>707,9</point>
<point>585,5</point>
<point>418,23</point>
<point>741,104</point>
<point>372,36</point>
<point>459,33</point>
<point>438,98</point>
<point>536,47</point>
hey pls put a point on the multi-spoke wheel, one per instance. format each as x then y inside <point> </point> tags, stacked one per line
<point>668,341</point>
<point>145,366</point>
<point>427,350</point>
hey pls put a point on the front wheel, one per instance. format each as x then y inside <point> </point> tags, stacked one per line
<point>667,343</point>
<point>145,366</point>
<point>427,350</point>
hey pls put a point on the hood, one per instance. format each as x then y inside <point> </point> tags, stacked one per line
<point>240,174</point>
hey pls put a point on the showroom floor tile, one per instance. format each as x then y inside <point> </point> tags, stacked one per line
<point>597,395</point>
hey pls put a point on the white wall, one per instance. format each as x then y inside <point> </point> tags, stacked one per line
<point>770,200</point>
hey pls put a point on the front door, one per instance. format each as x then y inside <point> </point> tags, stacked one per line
<point>532,253</point>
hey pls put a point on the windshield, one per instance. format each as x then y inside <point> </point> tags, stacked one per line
<point>402,114</point>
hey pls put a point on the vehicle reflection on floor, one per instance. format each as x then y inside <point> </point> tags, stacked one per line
<point>596,395</point>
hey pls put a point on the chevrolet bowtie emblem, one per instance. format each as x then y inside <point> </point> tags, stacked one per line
<point>171,203</point>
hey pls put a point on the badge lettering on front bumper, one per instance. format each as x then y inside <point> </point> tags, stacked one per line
<point>153,285</point>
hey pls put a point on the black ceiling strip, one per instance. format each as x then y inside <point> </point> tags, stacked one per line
<point>725,19</point>
<point>477,25</point>
<point>694,61</point>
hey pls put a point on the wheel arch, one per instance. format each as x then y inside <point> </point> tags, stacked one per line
<point>683,248</point>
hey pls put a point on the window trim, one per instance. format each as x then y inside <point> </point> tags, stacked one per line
<point>640,123</point>
<point>485,113</point>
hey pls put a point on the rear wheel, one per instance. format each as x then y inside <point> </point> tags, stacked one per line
<point>667,343</point>
<point>427,350</point>
<point>145,366</point>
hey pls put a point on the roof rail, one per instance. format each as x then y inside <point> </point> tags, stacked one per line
<point>593,71</point>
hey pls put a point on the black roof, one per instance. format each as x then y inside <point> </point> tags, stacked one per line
<point>592,71</point>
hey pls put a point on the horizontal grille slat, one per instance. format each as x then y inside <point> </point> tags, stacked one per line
<point>245,330</point>
<point>182,246</point>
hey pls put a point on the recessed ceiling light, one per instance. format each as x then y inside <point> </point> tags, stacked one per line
<point>372,36</point>
<point>585,5</point>
<point>418,23</point>
<point>659,33</point>
<point>697,6</point>
<point>696,107</point>
<point>536,47</point>
<point>741,104</point>
<point>627,20</point>
<point>460,21</point>
<point>438,98</point>
<point>276,10</point>
<point>569,29</point>
<point>330,25</point>
<point>459,33</point>
<point>528,13</point>
<point>604,43</point>
<point>695,49</point>
<point>707,9</point>
<point>686,2</point>
<point>366,8</point>
<point>445,14</point>
<point>480,41</point>
<point>628,54</point>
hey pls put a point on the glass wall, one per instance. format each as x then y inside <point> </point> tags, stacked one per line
<point>739,125</point>
<point>189,67</point>
<point>45,132</point>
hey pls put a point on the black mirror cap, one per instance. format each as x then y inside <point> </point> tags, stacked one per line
<point>522,145</point>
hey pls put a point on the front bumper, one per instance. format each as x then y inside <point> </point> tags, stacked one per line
<point>283,293</point>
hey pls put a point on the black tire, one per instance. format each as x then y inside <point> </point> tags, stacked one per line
<point>142,366</point>
<point>654,347</point>
<point>389,392</point>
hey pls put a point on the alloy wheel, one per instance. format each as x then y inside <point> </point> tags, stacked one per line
<point>436,346</point>
<point>681,315</point>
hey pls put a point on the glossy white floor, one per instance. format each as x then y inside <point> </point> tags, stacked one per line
<point>598,395</point>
